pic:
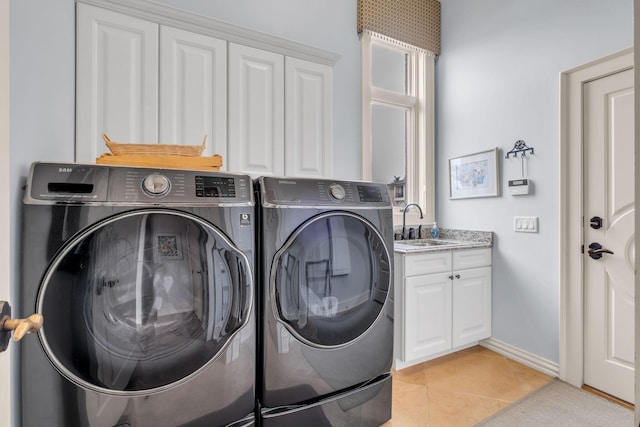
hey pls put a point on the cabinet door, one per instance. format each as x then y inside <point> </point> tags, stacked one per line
<point>256,111</point>
<point>116,80</point>
<point>308,118</point>
<point>428,315</point>
<point>193,90</point>
<point>471,305</point>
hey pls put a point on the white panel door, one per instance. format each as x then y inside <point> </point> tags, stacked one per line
<point>193,90</point>
<point>256,111</point>
<point>471,305</point>
<point>116,80</point>
<point>428,315</point>
<point>308,118</point>
<point>609,194</point>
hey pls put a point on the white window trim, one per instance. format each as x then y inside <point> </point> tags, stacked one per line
<point>420,167</point>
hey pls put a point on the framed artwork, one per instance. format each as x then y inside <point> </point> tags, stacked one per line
<point>474,175</point>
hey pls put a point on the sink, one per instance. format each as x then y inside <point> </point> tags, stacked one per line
<point>428,242</point>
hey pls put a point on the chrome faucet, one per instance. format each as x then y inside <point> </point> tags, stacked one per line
<point>404,217</point>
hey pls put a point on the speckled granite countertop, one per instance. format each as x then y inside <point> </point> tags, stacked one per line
<point>450,239</point>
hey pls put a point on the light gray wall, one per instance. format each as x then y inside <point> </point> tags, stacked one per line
<point>497,81</point>
<point>41,110</point>
<point>42,103</point>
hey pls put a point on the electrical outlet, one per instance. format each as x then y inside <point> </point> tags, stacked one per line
<point>525,224</point>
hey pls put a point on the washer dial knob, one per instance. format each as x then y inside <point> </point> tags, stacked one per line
<point>156,185</point>
<point>337,192</point>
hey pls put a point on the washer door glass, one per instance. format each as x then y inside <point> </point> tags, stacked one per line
<point>143,300</point>
<point>331,279</point>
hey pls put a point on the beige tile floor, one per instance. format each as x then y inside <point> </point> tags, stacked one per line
<point>459,389</point>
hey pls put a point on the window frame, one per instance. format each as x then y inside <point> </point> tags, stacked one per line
<point>420,103</point>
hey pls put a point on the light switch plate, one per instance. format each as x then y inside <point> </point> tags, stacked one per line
<point>525,224</point>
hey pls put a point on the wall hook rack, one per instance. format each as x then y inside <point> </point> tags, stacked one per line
<point>519,147</point>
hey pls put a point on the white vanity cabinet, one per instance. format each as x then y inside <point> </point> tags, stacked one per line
<point>442,303</point>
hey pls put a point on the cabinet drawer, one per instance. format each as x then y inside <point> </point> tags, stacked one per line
<point>471,258</point>
<point>418,264</point>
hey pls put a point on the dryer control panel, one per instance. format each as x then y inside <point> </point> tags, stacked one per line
<point>82,183</point>
<point>322,192</point>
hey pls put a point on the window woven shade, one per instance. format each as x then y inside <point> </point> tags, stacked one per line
<point>416,22</point>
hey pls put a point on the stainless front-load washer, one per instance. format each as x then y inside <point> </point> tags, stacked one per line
<point>145,281</point>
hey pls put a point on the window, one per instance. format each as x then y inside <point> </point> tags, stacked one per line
<point>398,122</point>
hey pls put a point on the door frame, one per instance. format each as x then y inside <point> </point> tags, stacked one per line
<point>7,403</point>
<point>571,208</point>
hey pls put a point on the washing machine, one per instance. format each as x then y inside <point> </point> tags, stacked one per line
<point>325,314</point>
<point>145,279</point>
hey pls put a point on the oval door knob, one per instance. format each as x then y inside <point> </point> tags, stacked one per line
<point>596,250</point>
<point>22,327</point>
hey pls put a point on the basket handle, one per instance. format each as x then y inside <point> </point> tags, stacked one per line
<point>204,140</point>
<point>106,138</point>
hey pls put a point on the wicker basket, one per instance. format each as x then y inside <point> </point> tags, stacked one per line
<point>206,163</point>
<point>126,149</point>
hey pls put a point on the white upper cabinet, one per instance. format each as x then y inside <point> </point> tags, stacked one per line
<point>256,111</point>
<point>141,82</point>
<point>280,114</point>
<point>308,122</point>
<point>193,90</point>
<point>116,80</point>
<point>264,111</point>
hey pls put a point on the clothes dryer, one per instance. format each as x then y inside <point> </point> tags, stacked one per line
<point>145,281</point>
<point>326,324</point>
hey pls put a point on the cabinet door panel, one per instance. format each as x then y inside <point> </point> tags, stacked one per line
<point>256,111</point>
<point>117,80</point>
<point>471,305</point>
<point>427,316</point>
<point>308,121</point>
<point>193,90</point>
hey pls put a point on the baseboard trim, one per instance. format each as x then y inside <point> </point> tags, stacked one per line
<point>531,360</point>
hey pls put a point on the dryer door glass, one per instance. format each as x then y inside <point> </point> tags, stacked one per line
<point>331,279</point>
<point>143,300</point>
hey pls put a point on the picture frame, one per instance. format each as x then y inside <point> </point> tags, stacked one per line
<point>474,175</point>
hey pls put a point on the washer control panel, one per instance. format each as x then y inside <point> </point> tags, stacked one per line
<point>78,183</point>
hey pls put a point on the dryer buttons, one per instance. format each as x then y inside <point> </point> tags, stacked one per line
<point>337,192</point>
<point>156,185</point>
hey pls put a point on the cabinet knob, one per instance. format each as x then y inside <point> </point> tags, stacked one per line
<point>457,276</point>
<point>451,277</point>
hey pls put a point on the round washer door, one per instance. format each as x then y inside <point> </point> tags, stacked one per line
<point>330,279</point>
<point>142,301</point>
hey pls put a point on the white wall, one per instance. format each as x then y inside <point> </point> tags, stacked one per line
<point>497,81</point>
